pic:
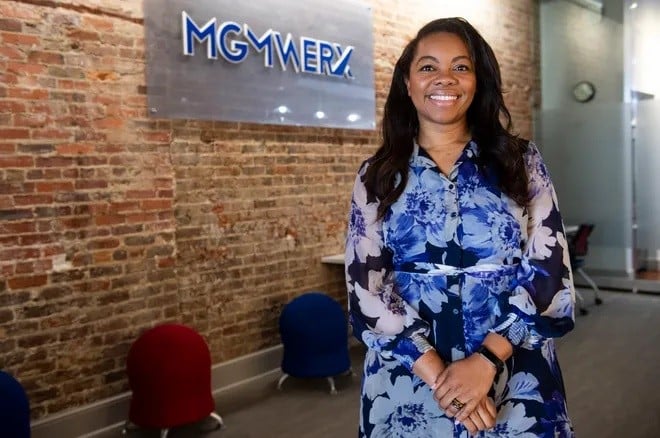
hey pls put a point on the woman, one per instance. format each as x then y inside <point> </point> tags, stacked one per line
<point>456,259</point>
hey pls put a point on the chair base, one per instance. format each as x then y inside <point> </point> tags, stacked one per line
<point>129,426</point>
<point>331,381</point>
<point>580,298</point>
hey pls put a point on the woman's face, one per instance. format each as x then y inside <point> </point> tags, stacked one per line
<point>442,81</point>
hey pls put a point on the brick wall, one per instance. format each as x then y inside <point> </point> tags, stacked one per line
<point>111,222</point>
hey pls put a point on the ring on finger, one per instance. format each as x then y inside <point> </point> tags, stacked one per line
<point>457,404</point>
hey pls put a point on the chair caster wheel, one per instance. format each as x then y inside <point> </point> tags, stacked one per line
<point>584,312</point>
<point>598,301</point>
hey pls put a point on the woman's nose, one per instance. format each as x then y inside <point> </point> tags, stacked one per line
<point>444,78</point>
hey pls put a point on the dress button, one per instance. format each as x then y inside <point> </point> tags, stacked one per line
<point>455,311</point>
<point>453,214</point>
<point>451,187</point>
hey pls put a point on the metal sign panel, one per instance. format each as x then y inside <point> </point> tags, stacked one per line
<point>307,63</point>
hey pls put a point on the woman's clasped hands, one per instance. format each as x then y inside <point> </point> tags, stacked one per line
<point>461,390</point>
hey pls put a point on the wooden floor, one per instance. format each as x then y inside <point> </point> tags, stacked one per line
<point>649,275</point>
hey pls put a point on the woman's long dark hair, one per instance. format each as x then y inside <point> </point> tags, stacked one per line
<point>499,150</point>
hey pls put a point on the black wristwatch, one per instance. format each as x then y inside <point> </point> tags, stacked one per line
<point>492,358</point>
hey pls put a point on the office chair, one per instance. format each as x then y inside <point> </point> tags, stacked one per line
<point>578,247</point>
<point>169,373</point>
<point>14,408</point>
<point>314,334</point>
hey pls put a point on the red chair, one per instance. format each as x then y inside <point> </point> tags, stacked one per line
<point>578,247</point>
<point>169,373</point>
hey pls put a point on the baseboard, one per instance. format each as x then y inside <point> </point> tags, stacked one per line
<point>233,382</point>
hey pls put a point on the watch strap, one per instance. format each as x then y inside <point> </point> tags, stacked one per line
<point>492,358</point>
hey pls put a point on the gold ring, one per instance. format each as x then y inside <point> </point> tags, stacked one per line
<point>457,404</point>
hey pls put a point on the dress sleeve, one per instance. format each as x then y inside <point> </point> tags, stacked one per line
<point>380,318</point>
<point>541,304</point>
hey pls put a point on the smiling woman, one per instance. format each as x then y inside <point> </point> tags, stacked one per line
<point>442,82</point>
<point>456,256</point>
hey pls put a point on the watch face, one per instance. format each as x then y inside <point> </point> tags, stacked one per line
<point>584,91</point>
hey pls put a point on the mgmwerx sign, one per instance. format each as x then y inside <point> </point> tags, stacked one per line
<point>307,55</point>
<point>296,63</point>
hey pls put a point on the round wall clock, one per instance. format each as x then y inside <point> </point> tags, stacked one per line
<point>584,91</point>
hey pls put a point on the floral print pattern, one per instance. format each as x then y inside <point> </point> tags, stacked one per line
<point>452,260</point>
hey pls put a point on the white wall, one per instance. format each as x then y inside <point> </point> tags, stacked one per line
<point>587,145</point>
<point>579,44</point>
<point>644,24</point>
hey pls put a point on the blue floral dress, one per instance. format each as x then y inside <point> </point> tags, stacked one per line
<point>452,260</point>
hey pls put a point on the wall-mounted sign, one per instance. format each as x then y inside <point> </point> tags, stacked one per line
<point>295,63</point>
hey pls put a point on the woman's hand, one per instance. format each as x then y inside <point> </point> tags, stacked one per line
<point>482,418</point>
<point>463,385</point>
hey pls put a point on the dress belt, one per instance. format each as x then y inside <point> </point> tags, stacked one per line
<point>486,269</point>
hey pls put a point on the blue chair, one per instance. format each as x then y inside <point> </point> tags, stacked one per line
<point>314,333</point>
<point>14,408</point>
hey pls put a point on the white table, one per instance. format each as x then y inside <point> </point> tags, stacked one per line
<point>335,259</point>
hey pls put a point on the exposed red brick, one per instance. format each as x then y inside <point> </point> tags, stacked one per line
<point>110,122</point>
<point>17,283</point>
<point>27,93</point>
<point>83,35</point>
<point>19,39</point>
<point>76,222</point>
<point>74,149</point>
<point>32,199</point>
<point>140,194</point>
<point>156,204</point>
<point>46,57</point>
<point>54,186</point>
<point>102,220</point>
<point>15,161</point>
<point>157,136</point>
<point>14,133</point>
<point>30,119</point>
<point>25,68</point>
<point>102,257</point>
<point>11,53</point>
<point>7,149</point>
<point>54,162</point>
<point>51,133</point>
<point>36,239</point>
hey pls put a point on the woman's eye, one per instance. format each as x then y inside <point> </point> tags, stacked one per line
<point>462,67</point>
<point>426,68</point>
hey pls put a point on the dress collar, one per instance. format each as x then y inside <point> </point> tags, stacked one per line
<point>421,158</point>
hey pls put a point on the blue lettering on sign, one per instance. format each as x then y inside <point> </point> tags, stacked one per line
<point>286,51</point>
<point>261,44</point>
<point>192,31</point>
<point>311,56</point>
